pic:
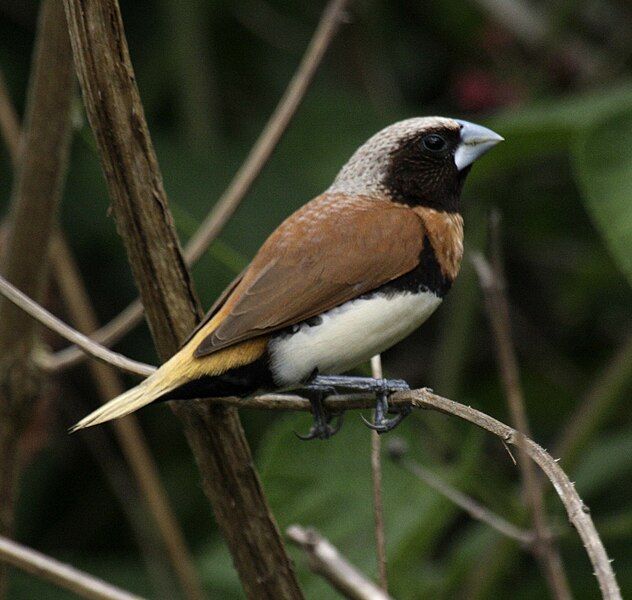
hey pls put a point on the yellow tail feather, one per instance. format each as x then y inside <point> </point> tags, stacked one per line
<point>179,369</point>
<point>144,393</point>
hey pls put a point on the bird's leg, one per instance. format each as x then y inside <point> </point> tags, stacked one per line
<point>382,388</point>
<point>322,427</point>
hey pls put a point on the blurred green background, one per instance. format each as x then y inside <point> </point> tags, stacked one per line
<point>555,81</point>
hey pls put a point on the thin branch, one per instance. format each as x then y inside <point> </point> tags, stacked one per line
<point>107,336</point>
<point>533,28</point>
<point>492,283</point>
<point>325,560</point>
<point>116,473</point>
<point>272,132</point>
<point>139,204</point>
<point>578,513</point>
<point>36,192</point>
<point>241,183</point>
<point>62,575</point>
<point>590,412</point>
<point>397,450</point>
<point>376,476</point>
<point>90,347</point>
<point>128,432</point>
<point>9,124</point>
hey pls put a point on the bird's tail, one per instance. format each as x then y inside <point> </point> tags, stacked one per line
<point>156,385</point>
<point>183,367</point>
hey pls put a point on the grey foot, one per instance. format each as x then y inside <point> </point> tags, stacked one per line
<point>322,427</point>
<point>382,388</point>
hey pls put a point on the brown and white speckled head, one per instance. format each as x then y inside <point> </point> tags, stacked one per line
<point>420,162</point>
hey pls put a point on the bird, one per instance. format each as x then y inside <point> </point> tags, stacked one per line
<point>345,277</point>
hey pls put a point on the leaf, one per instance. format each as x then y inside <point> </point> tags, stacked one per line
<point>606,465</point>
<point>603,162</point>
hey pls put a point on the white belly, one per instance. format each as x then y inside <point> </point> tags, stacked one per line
<point>348,335</point>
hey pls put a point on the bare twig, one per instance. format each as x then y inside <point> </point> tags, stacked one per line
<point>325,560</point>
<point>590,412</point>
<point>533,28</point>
<point>492,283</point>
<point>62,575</point>
<point>9,123</point>
<point>239,185</point>
<point>129,435</point>
<point>139,205</point>
<point>90,347</point>
<point>116,473</point>
<point>376,476</point>
<point>35,195</point>
<point>127,431</point>
<point>578,513</point>
<point>397,450</point>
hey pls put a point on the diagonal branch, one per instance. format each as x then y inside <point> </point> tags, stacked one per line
<point>128,432</point>
<point>62,575</point>
<point>140,206</point>
<point>397,451</point>
<point>492,282</point>
<point>577,511</point>
<point>91,348</point>
<point>325,560</point>
<point>239,186</point>
<point>36,192</point>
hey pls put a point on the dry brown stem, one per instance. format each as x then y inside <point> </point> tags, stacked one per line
<point>128,432</point>
<point>35,195</point>
<point>473,508</point>
<point>62,575</point>
<point>376,476</point>
<point>139,205</point>
<point>247,174</point>
<point>91,348</point>
<point>492,282</point>
<point>325,560</point>
<point>9,123</point>
<point>578,513</point>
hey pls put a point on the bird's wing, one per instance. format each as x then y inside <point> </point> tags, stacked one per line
<point>332,250</point>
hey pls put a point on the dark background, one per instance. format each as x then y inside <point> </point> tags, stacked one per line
<point>557,86</point>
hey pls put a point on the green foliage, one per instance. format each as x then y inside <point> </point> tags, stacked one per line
<point>603,158</point>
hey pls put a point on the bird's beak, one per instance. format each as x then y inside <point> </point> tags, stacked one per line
<point>475,141</point>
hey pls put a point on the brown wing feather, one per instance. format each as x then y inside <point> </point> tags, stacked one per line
<point>330,251</point>
<point>217,305</point>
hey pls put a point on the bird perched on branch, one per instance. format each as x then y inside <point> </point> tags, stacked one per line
<point>345,277</point>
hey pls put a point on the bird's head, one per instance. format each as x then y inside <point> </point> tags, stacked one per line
<point>420,162</point>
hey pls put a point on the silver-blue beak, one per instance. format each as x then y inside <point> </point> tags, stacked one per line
<point>475,141</point>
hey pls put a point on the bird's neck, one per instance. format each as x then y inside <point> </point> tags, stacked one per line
<point>445,232</point>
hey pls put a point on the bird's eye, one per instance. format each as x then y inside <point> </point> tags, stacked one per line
<point>434,142</point>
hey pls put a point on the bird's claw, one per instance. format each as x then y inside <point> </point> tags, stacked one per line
<point>322,430</point>
<point>381,423</point>
<point>321,386</point>
<point>386,425</point>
